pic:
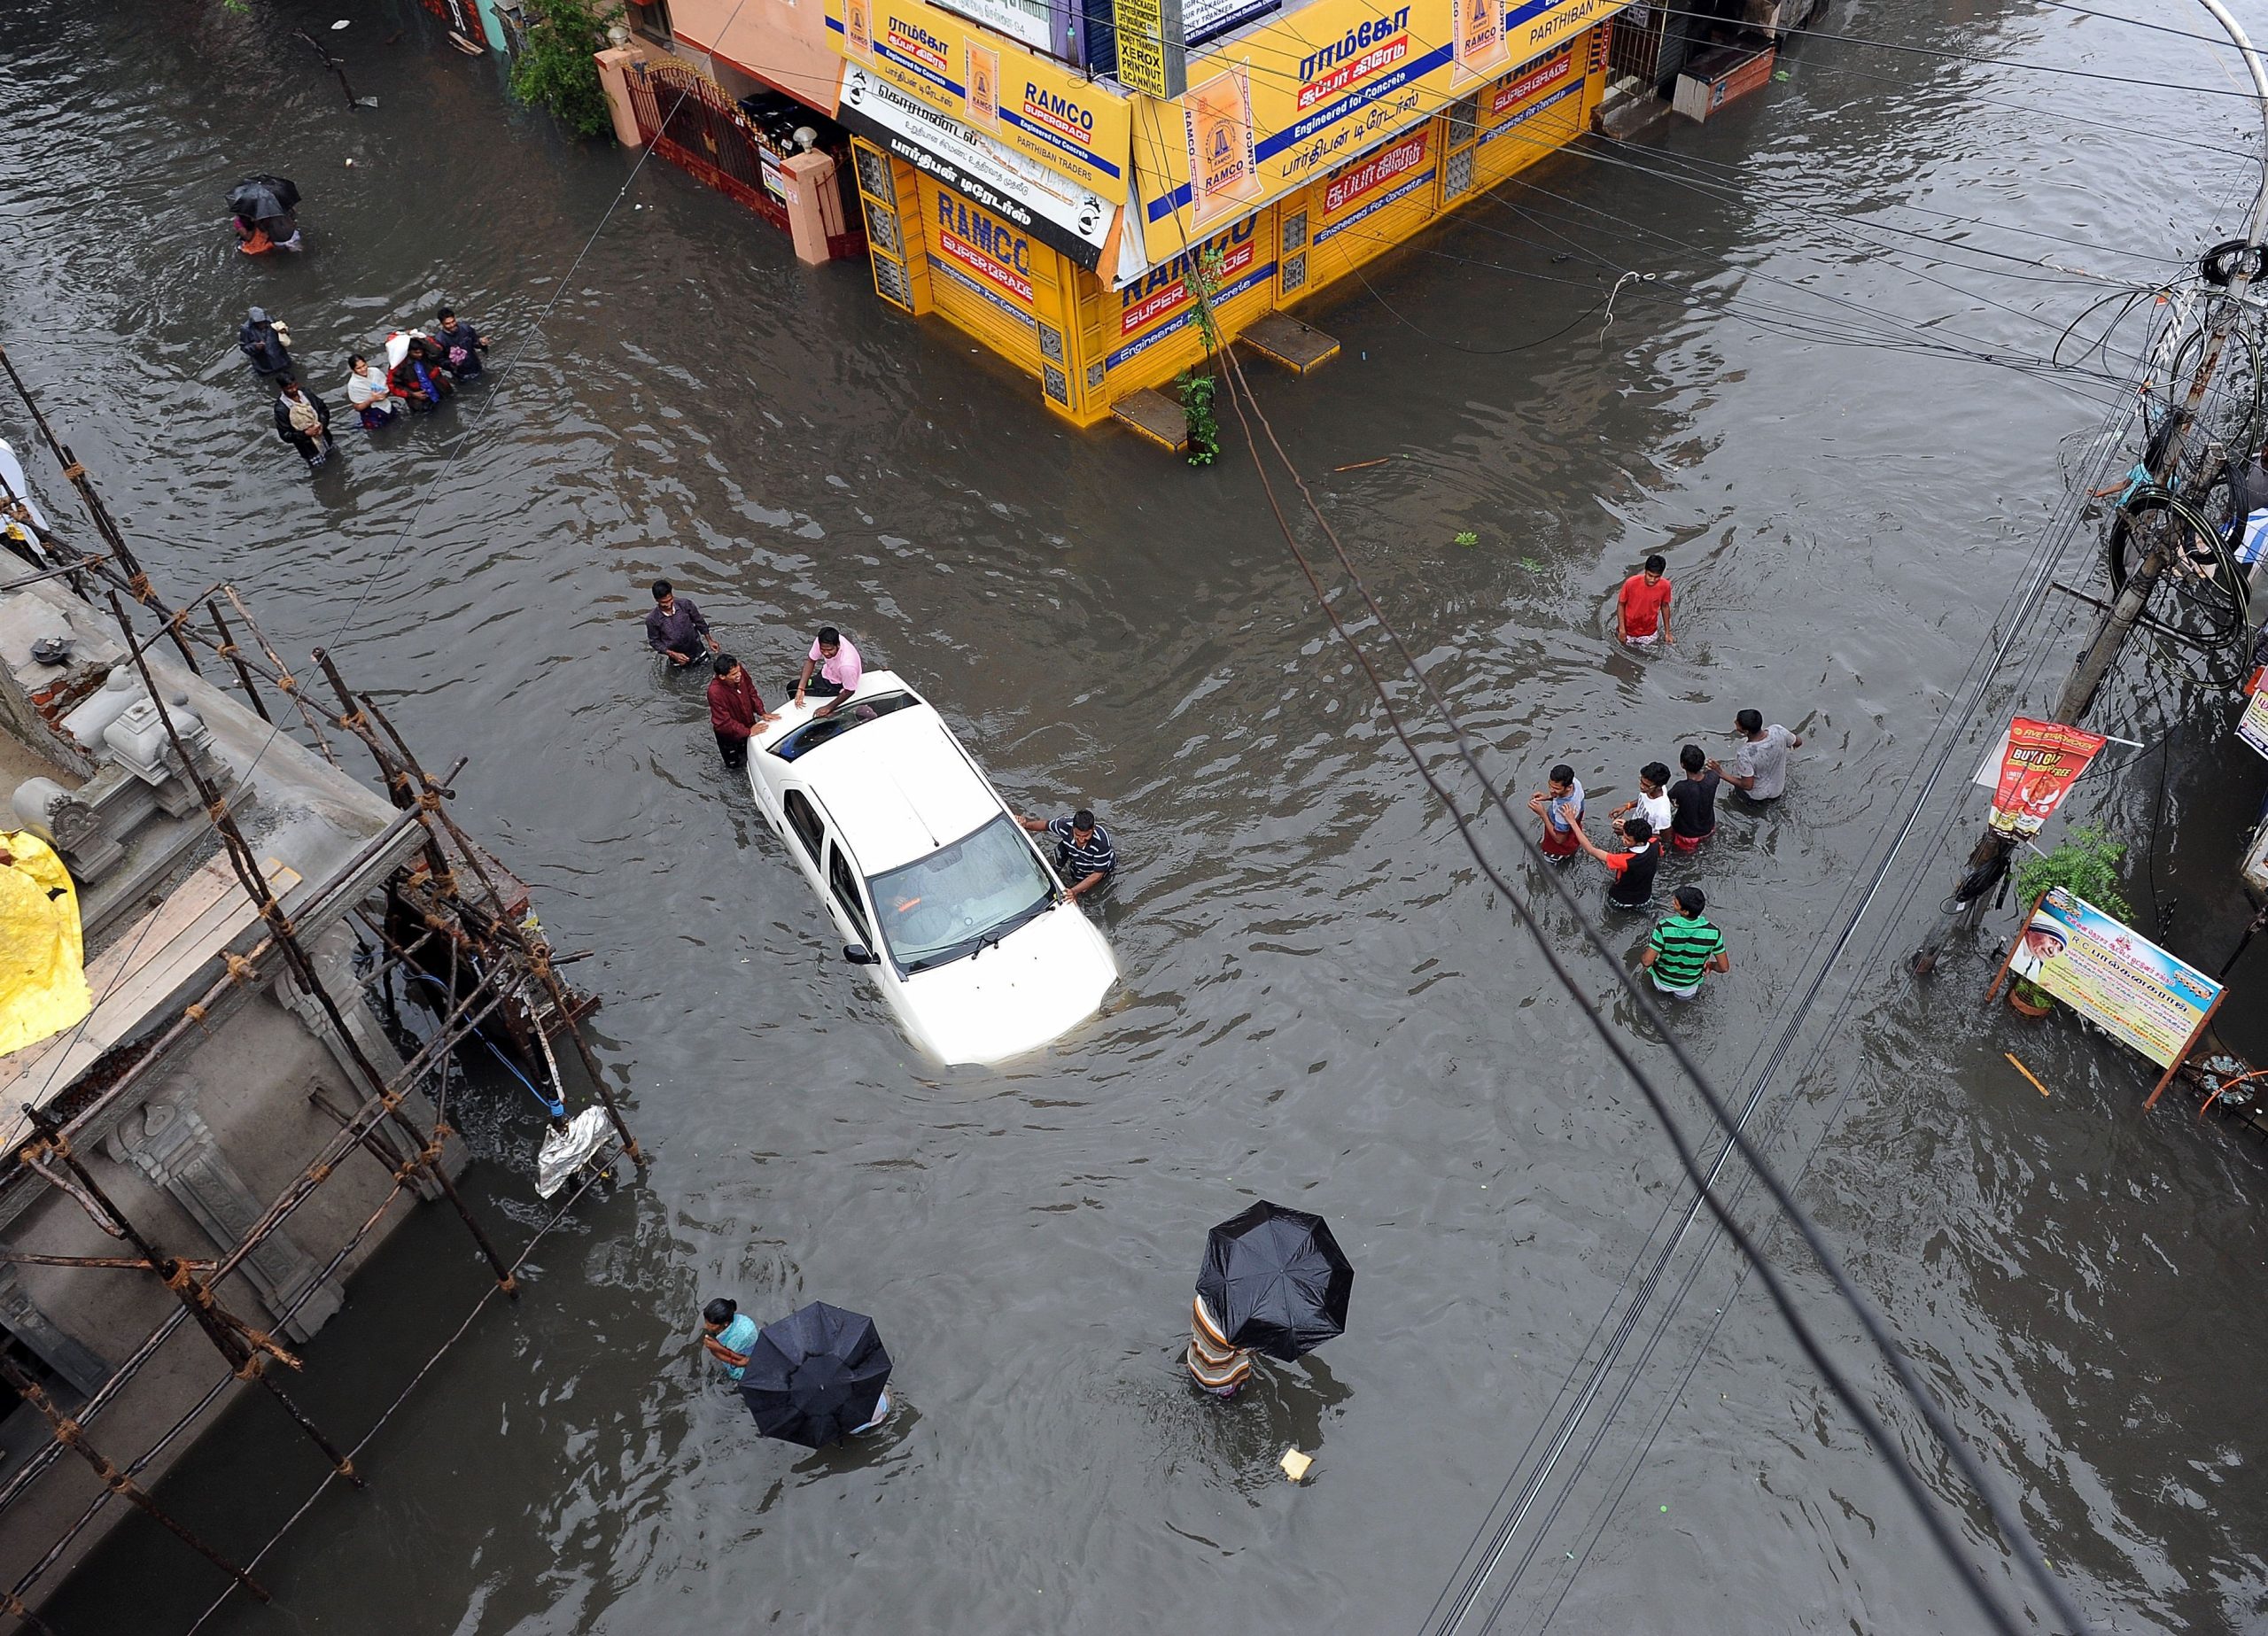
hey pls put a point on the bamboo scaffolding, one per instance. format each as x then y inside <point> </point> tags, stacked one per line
<point>511,966</point>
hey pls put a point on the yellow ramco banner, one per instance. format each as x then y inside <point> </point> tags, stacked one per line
<point>1271,111</point>
<point>1078,128</point>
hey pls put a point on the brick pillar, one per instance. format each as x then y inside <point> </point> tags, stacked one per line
<point>614,80</point>
<point>814,205</point>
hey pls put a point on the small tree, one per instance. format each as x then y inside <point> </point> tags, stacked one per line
<point>555,69</point>
<point>2085,864</point>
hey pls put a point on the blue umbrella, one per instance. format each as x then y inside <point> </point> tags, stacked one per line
<point>1276,1281</point>
<point>816,1376</point>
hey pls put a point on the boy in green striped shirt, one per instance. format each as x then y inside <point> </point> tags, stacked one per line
<point>1685,948</point>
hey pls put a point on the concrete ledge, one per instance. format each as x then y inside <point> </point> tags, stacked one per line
<point>1283,340</point>
<point>1153,415</point>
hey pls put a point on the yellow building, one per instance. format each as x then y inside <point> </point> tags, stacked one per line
<point>1064,221</point>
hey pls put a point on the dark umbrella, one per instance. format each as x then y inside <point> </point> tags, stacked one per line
<point>816,1376</point>
<point>1276,1281</point>
<point>264,198</point>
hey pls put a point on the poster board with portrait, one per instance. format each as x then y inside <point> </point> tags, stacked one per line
<point>2113,976</point>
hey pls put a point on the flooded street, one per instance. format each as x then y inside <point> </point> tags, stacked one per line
<point>1323,1004</point>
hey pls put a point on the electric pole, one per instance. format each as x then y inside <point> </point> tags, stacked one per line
<point>1988,861</point>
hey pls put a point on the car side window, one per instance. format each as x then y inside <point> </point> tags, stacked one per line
<point>805,821</point>
<point>845,883</point>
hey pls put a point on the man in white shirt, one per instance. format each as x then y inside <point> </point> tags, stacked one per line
<point>1653,800</point>
<point>1759,772</point>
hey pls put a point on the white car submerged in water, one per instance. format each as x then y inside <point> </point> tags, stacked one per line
<point>931,881</point>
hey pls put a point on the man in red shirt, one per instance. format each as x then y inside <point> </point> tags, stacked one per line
<point>1641,608</point>
<point>735,709</point>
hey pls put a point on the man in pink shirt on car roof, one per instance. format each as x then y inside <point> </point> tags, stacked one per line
<point>839,671</point>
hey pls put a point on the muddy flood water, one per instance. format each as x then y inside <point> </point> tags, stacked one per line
<point>1323,1002</point>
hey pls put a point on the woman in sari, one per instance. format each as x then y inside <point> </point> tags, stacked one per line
<point>368,392</point>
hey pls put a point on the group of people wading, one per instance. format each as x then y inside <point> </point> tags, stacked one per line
<point>422,370</point>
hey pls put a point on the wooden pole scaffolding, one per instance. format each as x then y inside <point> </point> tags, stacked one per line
<point>247,1349</point>
<point>301,1188</point>
<point>534,949</point>
<point>303,970</point>
<point>68,1433</point>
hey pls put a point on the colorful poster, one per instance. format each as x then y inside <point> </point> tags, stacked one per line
<point>2118,979</point>
<point>1332,78</point>
<point>2042,761</point>
<point>1042,110</point>
<point>984,87</point>
<point>1480,48</point>
<point>1216,130</point>
<point>2252,726</point>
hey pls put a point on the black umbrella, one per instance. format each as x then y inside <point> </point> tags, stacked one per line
<point>816,1376</point>
<point>264,198</point>
<point>1276,1281</point>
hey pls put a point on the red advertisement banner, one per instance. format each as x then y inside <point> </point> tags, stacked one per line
<point>2042,761</point>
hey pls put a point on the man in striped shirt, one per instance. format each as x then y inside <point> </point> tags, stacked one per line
<point>1084,855</point>
<point>1685,948</point>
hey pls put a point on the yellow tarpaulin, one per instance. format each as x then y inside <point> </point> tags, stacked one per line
<point>42,950</point>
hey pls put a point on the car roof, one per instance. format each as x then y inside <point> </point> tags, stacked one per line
<point>897,788</point>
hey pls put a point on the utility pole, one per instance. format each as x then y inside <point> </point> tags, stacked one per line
<point>1988,861</point>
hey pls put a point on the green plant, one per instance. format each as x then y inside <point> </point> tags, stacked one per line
<point>1466,538</point>
<point>2085,864</point>
<point>555,69</point>
<point>2033,994</point>
<point>1196,404</point>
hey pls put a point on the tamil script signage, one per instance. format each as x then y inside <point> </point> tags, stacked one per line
<point>2113,977</point>
<point>1032,22</point>
<point>1020,191</point>
<point>1304,92</point>
<point>1032,105</point>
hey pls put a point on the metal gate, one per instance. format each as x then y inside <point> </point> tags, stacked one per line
<point>684,116</point>
<point>690,119</point>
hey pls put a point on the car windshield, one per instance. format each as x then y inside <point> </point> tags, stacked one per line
<point>961,897</point>
<point>820,729</point>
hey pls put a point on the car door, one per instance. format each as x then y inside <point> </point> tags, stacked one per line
<point>846,896</point>
<point>806,836</point>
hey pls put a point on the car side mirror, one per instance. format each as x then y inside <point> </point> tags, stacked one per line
<point>858,954</point>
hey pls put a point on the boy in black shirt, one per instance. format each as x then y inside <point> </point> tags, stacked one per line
<point>1693,800</point>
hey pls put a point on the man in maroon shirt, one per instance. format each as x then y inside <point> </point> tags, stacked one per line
<point>735,709</point>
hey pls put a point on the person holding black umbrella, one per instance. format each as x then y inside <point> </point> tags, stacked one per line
<point>265,211</point>
<point>818,1375</point>
<point>1274,1280</point>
